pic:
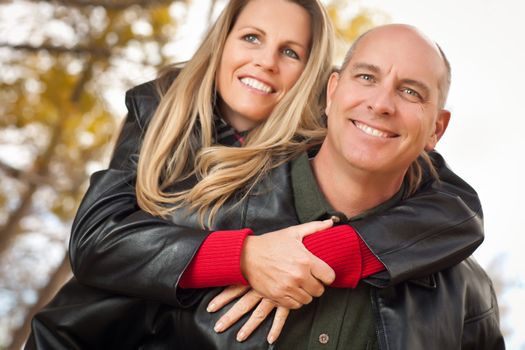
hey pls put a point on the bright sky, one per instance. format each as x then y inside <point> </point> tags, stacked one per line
<point>483,40</point>
<point>484,143</point>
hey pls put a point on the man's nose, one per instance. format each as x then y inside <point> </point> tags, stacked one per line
<point>381,102</point>
<point>266,58</point>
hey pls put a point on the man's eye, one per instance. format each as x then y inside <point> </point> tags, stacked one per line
<point>365,77</point>
<point>252,38</point>
<point>411,93</point>
<point>291,53</point>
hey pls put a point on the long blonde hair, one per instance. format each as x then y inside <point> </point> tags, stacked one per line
<point>179,141</point>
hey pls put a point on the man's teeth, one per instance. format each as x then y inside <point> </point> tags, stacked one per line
<point>256,84</point>
<point>370,131</point>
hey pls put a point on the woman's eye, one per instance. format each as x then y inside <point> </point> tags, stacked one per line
<point>291,53</point>
<point>251,38</point>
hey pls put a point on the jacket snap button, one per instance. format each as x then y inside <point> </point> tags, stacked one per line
<point>324,338</point>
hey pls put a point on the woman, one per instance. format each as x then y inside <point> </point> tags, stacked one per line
<point>128,248</point>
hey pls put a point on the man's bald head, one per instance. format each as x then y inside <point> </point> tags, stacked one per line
<point>398,31</point>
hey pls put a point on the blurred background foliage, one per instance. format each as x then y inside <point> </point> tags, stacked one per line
<point>57,61</point>
<point>61,64</point>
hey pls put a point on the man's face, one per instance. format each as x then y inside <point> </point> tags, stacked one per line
<point>383,108</point>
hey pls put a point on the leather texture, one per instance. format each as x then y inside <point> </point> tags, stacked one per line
<point>129,262</point>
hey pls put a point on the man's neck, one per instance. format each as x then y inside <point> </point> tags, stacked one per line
<point>348,189</point>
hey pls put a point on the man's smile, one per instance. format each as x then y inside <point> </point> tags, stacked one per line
<point>367,129</point>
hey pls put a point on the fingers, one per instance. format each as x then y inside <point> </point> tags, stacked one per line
<point>296,301</point>
<point>260,313</point>
<point>278,324</point>
<point>313,287</point>
<point>280,268</point>
<point>304,230</point>
<point>318,268</point>
<point>246,303</point>
<point>322,271</point>
<point>226,296</point>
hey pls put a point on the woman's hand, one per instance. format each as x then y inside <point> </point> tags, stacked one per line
<point>250,299</point>
<point>280,268</point>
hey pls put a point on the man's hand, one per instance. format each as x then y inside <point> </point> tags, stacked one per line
<point>280,268</point>
<point>245,304</point>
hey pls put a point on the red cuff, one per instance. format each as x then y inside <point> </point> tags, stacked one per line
<point>217,262</point>
<point>339,247</point>
<point>369,261</point>
<point>345,252</point>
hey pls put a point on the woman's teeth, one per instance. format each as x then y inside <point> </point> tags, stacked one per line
<point>257,85</point>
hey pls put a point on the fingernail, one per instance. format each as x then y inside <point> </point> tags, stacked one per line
<point>240,336</point>
<point>211,307</point>
<point>335,219</point>
<point>218,327</point>
<point>271,339</point>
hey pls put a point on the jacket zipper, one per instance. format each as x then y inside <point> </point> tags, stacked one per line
<point>380,331</point>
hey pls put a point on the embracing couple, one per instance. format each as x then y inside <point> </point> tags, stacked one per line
<point>259,199</point>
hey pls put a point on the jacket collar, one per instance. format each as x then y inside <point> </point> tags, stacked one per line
<point>311,204</point>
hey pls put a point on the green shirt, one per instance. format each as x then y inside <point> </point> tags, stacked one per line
<point>341,318</point>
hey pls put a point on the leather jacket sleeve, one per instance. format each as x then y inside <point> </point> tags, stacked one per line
<point>438,227</point>
<point>118,247</point>
<point>483,332</point>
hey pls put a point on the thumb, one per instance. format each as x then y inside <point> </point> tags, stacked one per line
<point>304,230</point>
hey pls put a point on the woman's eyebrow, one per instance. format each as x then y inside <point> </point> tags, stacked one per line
<point>289,42</point>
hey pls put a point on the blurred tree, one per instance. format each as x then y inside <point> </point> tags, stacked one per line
<point>58,58</point>
<point>59,62</point>
<point>351,19</point>
<point>502,283</point>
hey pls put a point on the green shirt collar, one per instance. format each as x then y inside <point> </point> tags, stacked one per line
<point>311,204</point>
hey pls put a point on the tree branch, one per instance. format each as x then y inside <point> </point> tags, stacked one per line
<point>24,176</point>
<point>57,279</point>
<point>78,50</point>
<point>109,4</point>
<point>41,167</point>
<point>10,171</point>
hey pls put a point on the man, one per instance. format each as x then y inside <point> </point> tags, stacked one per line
<point>385,108</point>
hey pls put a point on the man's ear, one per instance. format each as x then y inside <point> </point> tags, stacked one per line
<point>330,88</point>
<point>441,125</point>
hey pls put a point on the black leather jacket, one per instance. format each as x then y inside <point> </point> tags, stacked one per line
<point>452,309</point>
<point>116,246</point>
<point>119,248</point>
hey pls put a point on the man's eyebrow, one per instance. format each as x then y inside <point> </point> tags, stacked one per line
<point>366,66</point>
<point>424,89</point>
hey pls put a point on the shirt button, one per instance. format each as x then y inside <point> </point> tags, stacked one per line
<point>324,338</point>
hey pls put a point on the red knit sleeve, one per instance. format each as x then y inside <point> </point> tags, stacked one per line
<point>217,262</point>
<point>369,262</point>
<point>345,252</point>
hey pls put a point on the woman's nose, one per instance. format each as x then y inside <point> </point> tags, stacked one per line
<point>266,58</point>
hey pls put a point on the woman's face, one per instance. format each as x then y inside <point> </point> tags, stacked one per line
<point>264,55</point>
